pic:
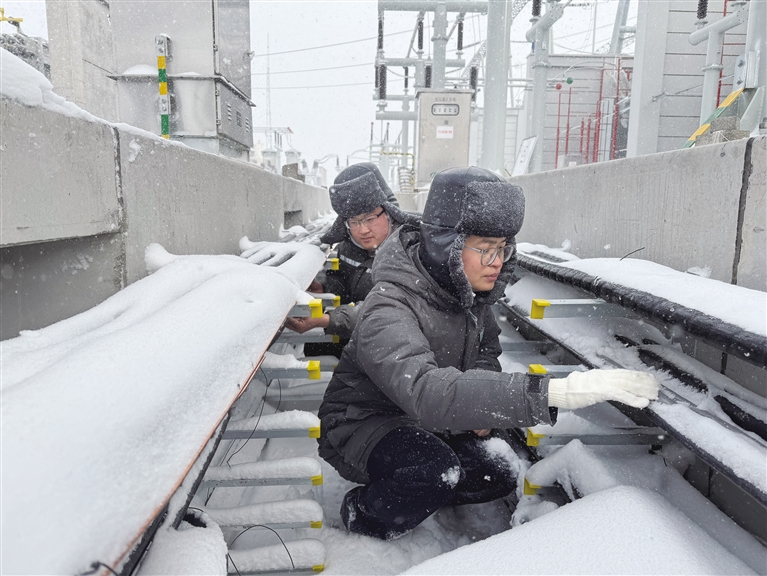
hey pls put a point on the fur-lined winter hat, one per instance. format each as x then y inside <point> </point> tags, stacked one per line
<point>360,189</point>
<point>464,202</point>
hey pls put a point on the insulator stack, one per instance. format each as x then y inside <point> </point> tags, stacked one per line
<point>536,8</point>
<point>460,35</point>
<point>473,80</point>
<point>420,34</point>
<point>382,82</point>
<point>427,77</point>
<point>702,9</point>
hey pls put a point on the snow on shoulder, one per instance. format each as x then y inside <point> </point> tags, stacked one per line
<point>104,413</point>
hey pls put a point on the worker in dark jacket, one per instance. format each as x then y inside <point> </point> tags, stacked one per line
<point>367,214</point>
<point>418,388</point>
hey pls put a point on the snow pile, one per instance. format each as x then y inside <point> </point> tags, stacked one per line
<point>28,86</point>
<point>291,419</point>
<point>623,530</point>
<point>298,261</point>
<point>188,550</point>
<point>104,413</point>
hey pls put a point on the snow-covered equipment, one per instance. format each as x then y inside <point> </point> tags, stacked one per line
<point>122,386</point>
<point>721,423</point>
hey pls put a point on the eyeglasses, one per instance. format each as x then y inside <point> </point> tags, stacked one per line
<point>488,256</point>
<point>366,222</point>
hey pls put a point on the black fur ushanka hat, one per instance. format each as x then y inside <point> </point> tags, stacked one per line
<point>360,189</point>
<point>463,202</point>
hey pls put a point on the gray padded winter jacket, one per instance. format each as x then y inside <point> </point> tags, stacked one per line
<point>416,358</point>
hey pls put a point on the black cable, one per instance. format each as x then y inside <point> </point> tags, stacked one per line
<point>633,252</point>
<point>233,564</point>
<point>95,568</point>
<point>275,532</point>
<point>263,404</point>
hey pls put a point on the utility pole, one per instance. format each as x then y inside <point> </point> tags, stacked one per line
<point>496,85</point>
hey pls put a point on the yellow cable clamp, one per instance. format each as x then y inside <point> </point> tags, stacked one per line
<point>334,263</point>
<point>536,369</point>
<point>537,308</point>
<point>314,432</point>
<point>336,301</point>
<point>314,370</point>
<point>313,524</point>
<point>530,489</point>
<point>316,480</point>
<point>534,439</point>
<point>335,339</point>
<point>318,567</point>
<point>315,308</point>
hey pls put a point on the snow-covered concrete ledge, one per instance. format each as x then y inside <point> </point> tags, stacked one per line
<point>697,208</point>
<point>104,414</point>
<point>82,199</point>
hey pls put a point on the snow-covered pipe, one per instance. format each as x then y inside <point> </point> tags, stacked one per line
<point>727,337</point>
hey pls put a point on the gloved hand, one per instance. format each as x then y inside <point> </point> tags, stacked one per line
<point>580,389</point>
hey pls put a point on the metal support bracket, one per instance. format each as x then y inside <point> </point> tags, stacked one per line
<point>554,370</point>
<point>642,436</point>
<point>312,371</point>
<point>314,308</point>
<point>577,308</point>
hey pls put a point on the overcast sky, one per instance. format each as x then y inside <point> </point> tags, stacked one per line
<point>330,111</point>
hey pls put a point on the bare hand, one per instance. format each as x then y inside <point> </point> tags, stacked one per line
<point>302,324</point>
<point>316,287</point>
<point>482,433</point>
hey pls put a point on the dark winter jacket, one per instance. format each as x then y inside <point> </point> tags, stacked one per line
<point>358,189</point>
<point>418,357</point>
<point>352,282</point>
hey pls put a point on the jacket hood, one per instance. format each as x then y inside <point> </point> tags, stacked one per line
<point>464,202</point>
<point>360,189</point>
<point>398,262</point>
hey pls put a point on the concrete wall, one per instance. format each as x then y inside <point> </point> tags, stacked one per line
<point>80,37</point>
<point>81,201</point>
<point>680,207</point>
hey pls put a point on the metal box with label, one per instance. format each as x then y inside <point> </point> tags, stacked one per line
<point>208,71</point>
<point>444,121</point>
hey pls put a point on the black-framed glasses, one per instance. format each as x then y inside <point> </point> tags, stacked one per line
<point>366,222</point>
<point>488,256</point>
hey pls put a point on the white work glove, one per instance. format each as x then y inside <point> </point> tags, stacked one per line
<point>580,389</point>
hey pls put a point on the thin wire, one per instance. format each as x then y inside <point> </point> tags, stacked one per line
<point>233,564</point>
<point>633,252</point>
<point>311,69</point>
<point>304,87</point>
<point>94,568</point>
<point>263,403</point>
<point>268,528</point>
<point>330,45</point>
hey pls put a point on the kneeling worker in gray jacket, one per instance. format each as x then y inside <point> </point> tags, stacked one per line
<point>419,386</point>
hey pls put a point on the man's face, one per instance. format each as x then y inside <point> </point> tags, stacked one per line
<point>369,230</point>
<point>482,277</point>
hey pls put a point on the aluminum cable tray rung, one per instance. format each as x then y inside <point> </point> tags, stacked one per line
<point>649,417</point>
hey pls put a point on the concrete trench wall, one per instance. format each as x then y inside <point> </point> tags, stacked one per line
<point>80,201</point>
<point>702,207</point>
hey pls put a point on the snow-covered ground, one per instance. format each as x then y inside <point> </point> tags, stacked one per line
<point>103,414</point>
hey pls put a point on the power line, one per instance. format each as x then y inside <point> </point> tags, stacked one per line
<point>330,45</point>
<point>311,69</point>
<point>321,86</point>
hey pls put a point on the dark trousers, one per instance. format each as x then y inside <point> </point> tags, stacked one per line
<point>413,473</point>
